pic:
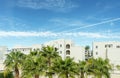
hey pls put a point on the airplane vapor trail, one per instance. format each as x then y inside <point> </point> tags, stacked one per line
<point>112,20</point>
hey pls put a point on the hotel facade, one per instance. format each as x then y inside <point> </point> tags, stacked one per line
<point>107,50</point>
<point>65,48</point>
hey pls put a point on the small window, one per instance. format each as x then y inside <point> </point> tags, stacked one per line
<point>108,45</point>
<point>56,49</point>
<point>60,45</point>
<point>96,46</point>
<point>105,46</point>
<point>118,46</point>
<point>68,52</point>
<point>60,52</point>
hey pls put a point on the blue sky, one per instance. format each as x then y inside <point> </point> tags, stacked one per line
<point>27,22</point>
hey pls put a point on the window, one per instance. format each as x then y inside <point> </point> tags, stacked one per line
<point>68,52</point>
<point>68,46</point>
<point>108,45</point>
<point>118,46</point>
<point>105,46</point>
<point>60,45</point>
<point>96,46</point>
<point>60,52</point>
<point>56,49</point>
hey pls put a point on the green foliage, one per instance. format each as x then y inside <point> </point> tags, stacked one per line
<point>47,61</point>
<point>118,67</point>
<point>51,54</point>
<point>99,67</point>
<point>9,75</point>
<point>82,68</point>
<point>13,62</point>
<point>34,63</point>
<point>65,68</point>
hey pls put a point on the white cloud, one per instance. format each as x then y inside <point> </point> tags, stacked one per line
<point>26,34</point>
<point>59,34</point>
<point>58,5</point>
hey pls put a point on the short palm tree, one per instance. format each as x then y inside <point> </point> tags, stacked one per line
<point>50,53</point>
<point>99,67</point>
<point>65,68</point>
<point>34,64</point>
<point>13,62</point>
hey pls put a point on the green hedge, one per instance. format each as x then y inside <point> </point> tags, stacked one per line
<point>10,75</point>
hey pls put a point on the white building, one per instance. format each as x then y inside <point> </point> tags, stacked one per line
<point>23,49</point>
<point>67,48</point>
<point>110,50</point>
<point>3,51</point>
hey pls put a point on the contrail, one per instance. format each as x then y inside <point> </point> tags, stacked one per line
<point>94,24</point>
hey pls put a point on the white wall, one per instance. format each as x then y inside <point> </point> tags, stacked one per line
<point>3,51</point>
<point>78,53</point>
<point>114,56</point>
<point>112,53</point>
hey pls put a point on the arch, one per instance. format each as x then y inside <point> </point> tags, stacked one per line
<point>68,46</point>
<point>68,52</point>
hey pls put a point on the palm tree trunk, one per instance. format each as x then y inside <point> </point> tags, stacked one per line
<point>36,76</point>
<point>16,72</point>
<point>66,75</point>
<point>49,64</point>
<point>82,75</point>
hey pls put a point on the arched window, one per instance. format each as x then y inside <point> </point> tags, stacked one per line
<point>68,52</point>
<point>68,46</point>
<point>56,49</point>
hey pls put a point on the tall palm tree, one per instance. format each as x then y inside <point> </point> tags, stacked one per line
<point>65,68</point>
<point>34,64</point>
<point>13,62</point>
<point>81,68</point>
<point>50,53</point>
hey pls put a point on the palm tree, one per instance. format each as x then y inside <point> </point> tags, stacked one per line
<point>99,67</point>
<point>13,62</point>
<point>81,68</point>
<point>34,64</point>
<point>65,68</point>
<point>50,53</point>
